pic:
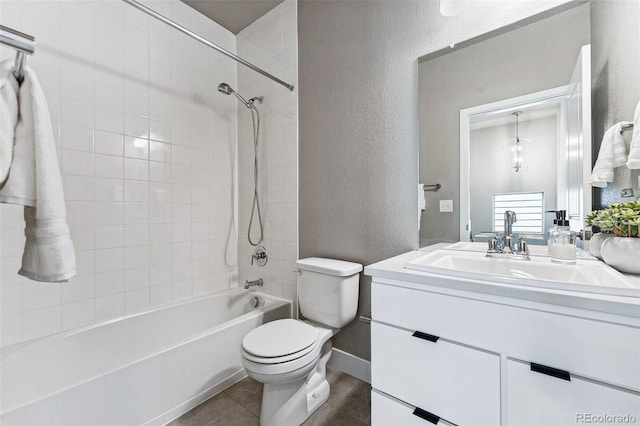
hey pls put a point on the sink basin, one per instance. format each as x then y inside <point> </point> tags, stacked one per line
<point>534,250</point>
<point>585,276</point>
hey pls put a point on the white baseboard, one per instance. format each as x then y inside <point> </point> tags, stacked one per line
<point>350,364</point>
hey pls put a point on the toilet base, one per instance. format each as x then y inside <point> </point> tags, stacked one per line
<point>290,404</point>
<point>317,393</point>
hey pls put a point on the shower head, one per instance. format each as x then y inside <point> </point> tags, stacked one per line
<point>227,90</point>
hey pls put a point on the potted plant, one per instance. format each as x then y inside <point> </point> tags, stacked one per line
<point>601,219</point>
<point>620,237</point>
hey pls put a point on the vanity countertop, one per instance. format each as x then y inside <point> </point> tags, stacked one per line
<point>394,269</point>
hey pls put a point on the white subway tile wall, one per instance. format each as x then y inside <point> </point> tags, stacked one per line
<point>147,149</point>
<point>272,44</point>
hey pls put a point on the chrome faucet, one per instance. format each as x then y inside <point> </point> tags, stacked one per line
<point>507,239</point>
<point>505,247</point>
<point>255,283</point>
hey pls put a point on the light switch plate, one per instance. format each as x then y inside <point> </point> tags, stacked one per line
<point>446,206</point>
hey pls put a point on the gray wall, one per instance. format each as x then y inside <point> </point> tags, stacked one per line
<point>539,56</point>
<point>358,143</point>
<point>615,67</point>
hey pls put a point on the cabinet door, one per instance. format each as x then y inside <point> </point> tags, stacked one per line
<point>534,398</point>
<point>456,382</point>
<point>386,411</point>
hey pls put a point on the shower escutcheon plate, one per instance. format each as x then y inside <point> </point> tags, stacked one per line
<point>260,256</point>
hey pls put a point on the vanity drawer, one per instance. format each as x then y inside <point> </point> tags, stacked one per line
<point>455,382</point>
<point>540,399</point>
<point>599,350</point>
<point>386,411</point>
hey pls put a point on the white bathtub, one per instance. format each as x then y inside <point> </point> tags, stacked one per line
<point>141,369</point>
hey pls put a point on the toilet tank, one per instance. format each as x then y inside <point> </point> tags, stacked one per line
<point>328,290</point>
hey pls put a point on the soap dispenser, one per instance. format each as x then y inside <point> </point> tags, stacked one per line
<point>562,245</point>
<point>552,228</point>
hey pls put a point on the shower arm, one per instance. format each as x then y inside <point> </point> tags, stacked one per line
<point>247,103</point>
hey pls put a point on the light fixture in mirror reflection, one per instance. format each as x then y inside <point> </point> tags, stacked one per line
<point>517,155</point>
<point>515,148</point>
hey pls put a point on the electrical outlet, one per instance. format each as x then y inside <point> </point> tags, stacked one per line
<point>446,206</point>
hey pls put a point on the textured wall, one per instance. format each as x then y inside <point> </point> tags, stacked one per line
<point>358,144</point>
<point>615,63</point>
<point>511,64</point>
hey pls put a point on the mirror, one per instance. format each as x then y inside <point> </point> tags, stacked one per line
<point>467,98</point>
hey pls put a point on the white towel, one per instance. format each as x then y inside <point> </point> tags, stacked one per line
<point>35,182</point>
<point>613,153</point>
<point>8,118</point>
<point>634,150</point>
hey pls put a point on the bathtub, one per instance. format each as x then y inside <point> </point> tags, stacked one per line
<point>147,368</point>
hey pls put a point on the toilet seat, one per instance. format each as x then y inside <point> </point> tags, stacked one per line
<point>279,341</point>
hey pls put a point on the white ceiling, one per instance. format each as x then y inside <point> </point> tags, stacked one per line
<point>234,15</point>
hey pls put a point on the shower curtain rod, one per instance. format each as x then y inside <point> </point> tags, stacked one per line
<point>202,40</point>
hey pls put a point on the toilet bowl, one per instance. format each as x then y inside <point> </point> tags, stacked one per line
<point>290,356</point>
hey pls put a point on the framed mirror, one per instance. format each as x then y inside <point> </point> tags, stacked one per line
<point>474,91</point>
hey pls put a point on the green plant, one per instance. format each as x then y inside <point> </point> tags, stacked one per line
<point>621,219</point>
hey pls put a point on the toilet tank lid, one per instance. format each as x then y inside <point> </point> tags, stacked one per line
<point>338,268</point>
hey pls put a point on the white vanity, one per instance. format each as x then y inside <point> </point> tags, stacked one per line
<point>483,349</point>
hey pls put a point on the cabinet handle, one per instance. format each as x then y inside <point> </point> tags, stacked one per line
<point>425,336</point>
<point>423,414</point>
<point>550,371</point>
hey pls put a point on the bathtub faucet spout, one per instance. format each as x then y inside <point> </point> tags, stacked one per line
<point>255,283</point>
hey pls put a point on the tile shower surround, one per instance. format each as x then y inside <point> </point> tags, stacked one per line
<point>147,150</point>
<point>271,43</point>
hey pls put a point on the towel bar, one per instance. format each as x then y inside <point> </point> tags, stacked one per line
<point>23,43</point>
<point>432,187</point>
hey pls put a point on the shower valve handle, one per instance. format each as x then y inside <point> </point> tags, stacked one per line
<point>260,256</point>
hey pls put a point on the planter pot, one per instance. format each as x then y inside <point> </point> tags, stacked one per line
<point>596,242</point>
<point>622,253</point>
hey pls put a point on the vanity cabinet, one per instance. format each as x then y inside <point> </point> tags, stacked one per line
<point>477,359</point>
<point>535,399</point>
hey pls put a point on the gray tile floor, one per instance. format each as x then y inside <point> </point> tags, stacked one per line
<point>348,405</point>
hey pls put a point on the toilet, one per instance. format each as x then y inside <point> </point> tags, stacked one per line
<point>290,356</point>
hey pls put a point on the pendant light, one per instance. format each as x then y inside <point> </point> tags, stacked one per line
<point>516,147</point>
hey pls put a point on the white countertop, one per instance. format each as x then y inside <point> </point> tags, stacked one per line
<point>393,269</point>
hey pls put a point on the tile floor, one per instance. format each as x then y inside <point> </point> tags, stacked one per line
<point>348,405</point>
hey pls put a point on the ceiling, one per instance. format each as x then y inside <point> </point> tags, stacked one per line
<point>234,15</point>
